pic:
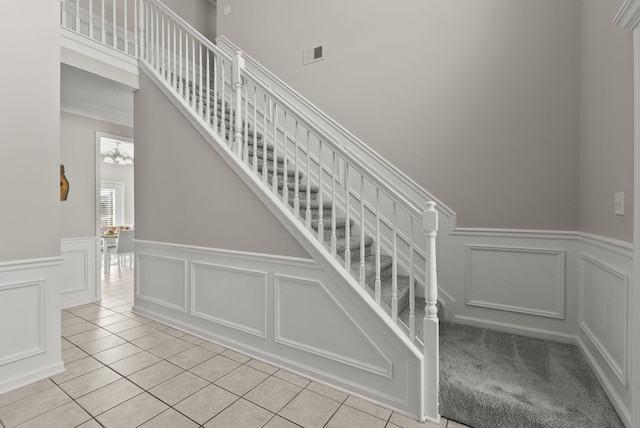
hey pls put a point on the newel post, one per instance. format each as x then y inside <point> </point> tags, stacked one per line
<point>238,66</point>
<point>431,366</point>
<point>141,30</point>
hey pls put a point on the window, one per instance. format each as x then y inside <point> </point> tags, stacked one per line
<point>111,203</point>
<point>107,207</point>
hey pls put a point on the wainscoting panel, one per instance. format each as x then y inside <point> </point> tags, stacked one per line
<point>285,311</point>
<point>21,305</point>
<point>78,279</point>
<point>525,280</point>
<point>604,313</point>
<point>233,297</point>
<point>153,270</point>
<point>29,321</point>
<point>301,305</point>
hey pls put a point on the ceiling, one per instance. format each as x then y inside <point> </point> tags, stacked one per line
<point>90,95</point>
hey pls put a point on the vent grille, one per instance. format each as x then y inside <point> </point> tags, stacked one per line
<point>313,54</point>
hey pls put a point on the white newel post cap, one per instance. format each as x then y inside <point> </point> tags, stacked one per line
<point>430,217</point>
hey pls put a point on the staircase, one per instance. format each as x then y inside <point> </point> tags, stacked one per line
<point>349,218</point>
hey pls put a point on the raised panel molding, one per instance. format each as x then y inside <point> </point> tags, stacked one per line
<point>244,306</point>
<point>169,271</point>
<point>348,347</point>
<point>22,305</point>
<point>524,280</point>
<point>603,312</point>
<point>78,280</point>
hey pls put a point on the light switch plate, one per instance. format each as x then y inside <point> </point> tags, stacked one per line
<point>618,203</point>
<point>227,9</point>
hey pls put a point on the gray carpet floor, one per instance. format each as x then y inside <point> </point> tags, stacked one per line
<point>493,379</point>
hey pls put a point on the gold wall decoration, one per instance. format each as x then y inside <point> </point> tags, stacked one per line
<point>64,184</point>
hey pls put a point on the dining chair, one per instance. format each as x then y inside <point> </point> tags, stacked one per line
<point>123,248</point>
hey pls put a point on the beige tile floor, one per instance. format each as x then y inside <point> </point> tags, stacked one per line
<point>124,370</point>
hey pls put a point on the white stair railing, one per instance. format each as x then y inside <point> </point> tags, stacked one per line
<point>328,188</point>
<point>112,23</point>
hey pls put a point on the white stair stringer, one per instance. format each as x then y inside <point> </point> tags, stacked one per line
<point>399,385</point>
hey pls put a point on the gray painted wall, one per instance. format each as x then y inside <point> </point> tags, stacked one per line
<point>186,194</point>
<point>30,131</point>
<point>476,101</point>
<point>606,126</point>
<point>78,154</point>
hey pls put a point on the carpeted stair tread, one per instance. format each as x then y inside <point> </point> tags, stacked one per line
<point>501,380</point>
<point>340,224</point>
<point>370,267</point>
<point>353,242</point>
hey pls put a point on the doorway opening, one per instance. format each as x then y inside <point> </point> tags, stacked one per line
<point>115,216</point>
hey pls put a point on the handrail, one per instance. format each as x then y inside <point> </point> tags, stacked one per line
<point>202,39</point>
<point>326,137</point>
<point>412,184</point>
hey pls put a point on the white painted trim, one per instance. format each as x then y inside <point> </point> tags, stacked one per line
<point>95,111</point>
<point>262,334</point>
<point>89,247</point>
<point>29,264</point>
<point>620,407</point>
<point>31,376</point>
<point>101,53</point>
<point>628,16</point>
<point>382,371</point>
<point>560,277</point>
<point>635,284</point>
<point>516,329</point>
<point>620,372</point>
<point>175,260</point>
<point>40,348</point>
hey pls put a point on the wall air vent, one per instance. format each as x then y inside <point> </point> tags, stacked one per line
<point>312,55</point>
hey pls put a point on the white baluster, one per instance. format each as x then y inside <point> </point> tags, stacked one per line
<point>412,285</point>
<point>208,109</point>
<point>193,73</point>
<point>223,125</point>
<point>238,65</point>
<point>114,26</point>
<point>174,74</point>
<point>216,74</point>
<point>156,39</point>
<point>320,192</point>
<point>136,29</point>
<point>181,59</point>
<point>334,237</point>
<point>362,231</point>
<point>347,229</point>
<point>201,100</point>
<point>394,267</point>
<point>296,187</point>
<point>126,28</point>
<point>274,177</point>
<point>163,52</point>
<point>103,24</point>
<point>265,157</point>
<point>78,16</point>
<point>63,13</point>
<point>378,283</point>
<point>308,172</point>
<point>245,120</point>
<point>430,322</point>
<point>255,130</point>
<point>91,20</point>
<point>285,176</point>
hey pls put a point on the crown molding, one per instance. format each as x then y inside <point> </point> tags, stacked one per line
<point>628,16</point>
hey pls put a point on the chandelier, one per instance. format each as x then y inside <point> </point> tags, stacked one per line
<point>117,157</point>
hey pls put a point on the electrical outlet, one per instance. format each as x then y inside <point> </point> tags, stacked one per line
<point>227,9</point>
<point>618,203</point>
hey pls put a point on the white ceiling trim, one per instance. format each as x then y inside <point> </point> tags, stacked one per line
<point>628,16</point>
<point>95,111</point>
